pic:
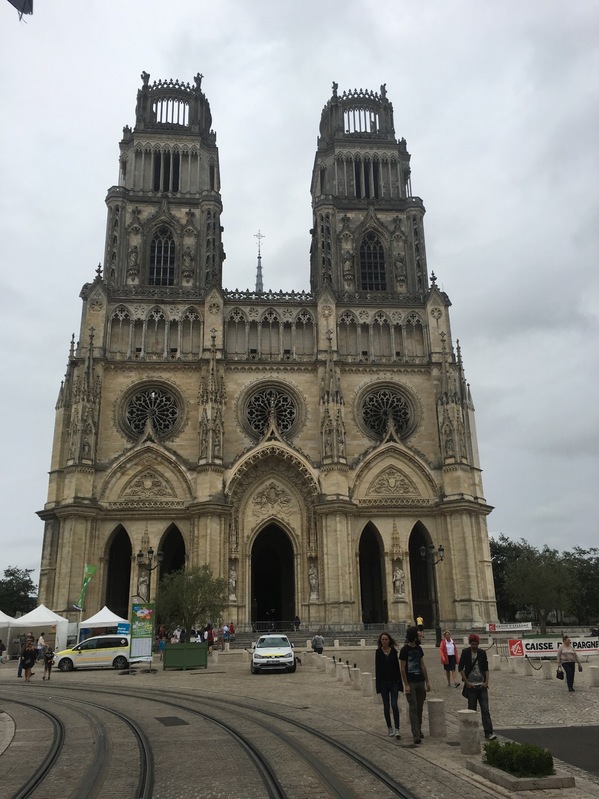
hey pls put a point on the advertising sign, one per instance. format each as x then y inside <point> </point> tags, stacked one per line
<point>547,647</point>
<point>509,628</point>
<point>142,632</point>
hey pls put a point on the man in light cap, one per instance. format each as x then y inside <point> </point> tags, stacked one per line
<point>474,668</point>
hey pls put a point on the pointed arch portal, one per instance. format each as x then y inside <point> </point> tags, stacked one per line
<point>422,602</point>
<point>118,576</point>
<point>272,579</point>
<point>374,605</point>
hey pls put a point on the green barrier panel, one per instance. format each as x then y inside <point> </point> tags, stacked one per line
<point>185,656</point>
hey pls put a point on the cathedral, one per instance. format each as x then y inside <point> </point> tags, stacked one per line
<point>316,448</point>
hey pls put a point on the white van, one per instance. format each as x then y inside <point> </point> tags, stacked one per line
<point>96,652</point>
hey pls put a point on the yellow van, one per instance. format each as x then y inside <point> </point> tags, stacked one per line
<point>94,653</point>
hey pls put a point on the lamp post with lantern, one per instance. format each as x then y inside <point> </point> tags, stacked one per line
<point>432,556</point>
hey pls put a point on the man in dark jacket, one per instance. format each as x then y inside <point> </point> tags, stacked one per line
<point>474,668</point>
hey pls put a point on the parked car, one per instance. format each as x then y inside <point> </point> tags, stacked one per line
<point>96,652</point>
<point>273,653</point>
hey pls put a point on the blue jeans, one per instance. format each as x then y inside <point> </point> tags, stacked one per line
<point>416,699</point>
<point>389,694</point>
<point>480,696</point>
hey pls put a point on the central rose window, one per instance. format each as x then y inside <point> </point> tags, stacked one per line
<point>383,404</point>
<point>276,402</point>
<point>153,403</point>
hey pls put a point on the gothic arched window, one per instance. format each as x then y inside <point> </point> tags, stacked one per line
<point>372,264</point>
<point>162,258</point>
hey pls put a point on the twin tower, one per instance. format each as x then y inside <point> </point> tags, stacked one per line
<point>309,446</point>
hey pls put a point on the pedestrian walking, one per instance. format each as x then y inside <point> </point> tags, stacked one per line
<point>474,668</point>
<point>318,643</point>
<point>48,662</point>
<point>28,659</point>
<point>415,680</point>
<point>448,652</point>
<point>41,647</point>
<point>567,658</point>
<point>2,650</point>
<point>296,623</point>
<point>387,677</point>
<point>28,639</point>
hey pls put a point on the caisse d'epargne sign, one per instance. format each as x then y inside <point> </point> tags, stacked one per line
<point>547,647</point>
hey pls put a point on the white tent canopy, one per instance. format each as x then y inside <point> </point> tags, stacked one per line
<point>5,620</point>
<point>43,617</point>
<point>104,618</point>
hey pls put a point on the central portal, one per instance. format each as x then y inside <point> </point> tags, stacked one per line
<point>273,580</point>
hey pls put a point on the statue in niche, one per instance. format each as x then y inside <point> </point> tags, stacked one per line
<point>313,580</point>
<point>142,587</point>
<point>187,262</point>
<point>399,582</point>
<point>203,442</point>
<point>133,255</point>
<point>232,581</point>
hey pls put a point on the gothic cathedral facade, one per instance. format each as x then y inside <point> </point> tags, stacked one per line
<point>306,445</point>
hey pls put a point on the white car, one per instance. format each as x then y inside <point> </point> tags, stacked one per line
<point>273,652</point>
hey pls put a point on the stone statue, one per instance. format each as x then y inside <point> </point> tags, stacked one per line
<point>399,582</point>
<point>313,579</point>
<point>142,586</point>
<point>232,581</point>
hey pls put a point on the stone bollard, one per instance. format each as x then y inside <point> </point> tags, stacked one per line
<point>594,674</point>
<point>496,663</point>
<point>469,738</point>
<point>329,666</point>
<point>227,646</point>
<point>363,642</point>
<point>339,668</point>
<point>527,668</point>
<point>366,683</point>
<point>355,679</point>
<point>245,656</point>
<point>346,675</point>
<point>513,669</point>
<point>214,657</point>
<point>308,644</point>
<point>436,718</point>
<point>336,643</point>
<point>549,669</point>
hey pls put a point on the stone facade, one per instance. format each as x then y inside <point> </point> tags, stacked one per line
<point>305,445</point>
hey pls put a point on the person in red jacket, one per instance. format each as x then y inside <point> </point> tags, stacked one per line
<point>448,652</point>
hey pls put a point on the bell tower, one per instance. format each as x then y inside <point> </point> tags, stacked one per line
<point>163,227</point>
<point>368,235</point>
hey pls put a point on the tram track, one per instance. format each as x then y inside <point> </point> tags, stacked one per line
<point>93,778</point>
<point>284,731</point>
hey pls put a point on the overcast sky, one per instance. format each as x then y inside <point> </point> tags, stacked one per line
<point>499,104</point>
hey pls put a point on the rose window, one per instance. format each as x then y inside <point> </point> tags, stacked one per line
<point>267,402</point>
<point>155,404</point>
<point>378,406</point>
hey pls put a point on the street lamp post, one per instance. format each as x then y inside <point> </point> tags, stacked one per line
<point>431,557</point>
<point>145,562</point>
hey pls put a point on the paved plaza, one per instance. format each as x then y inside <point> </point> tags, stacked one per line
<point>532,708</point>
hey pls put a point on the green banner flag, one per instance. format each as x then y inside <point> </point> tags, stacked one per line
<point>88,573</point>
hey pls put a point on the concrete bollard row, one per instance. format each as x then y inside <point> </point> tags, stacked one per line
<point>436,718</point>
<point>366,684</point>
<point>594,673</point>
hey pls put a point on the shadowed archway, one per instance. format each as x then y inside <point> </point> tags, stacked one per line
<point>272,578</point>
<point>374,606</point>
<point>422,595</point>
<point>118,575</point>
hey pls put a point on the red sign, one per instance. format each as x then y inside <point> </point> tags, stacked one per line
<point>516,647</point>
<point>491,628</point>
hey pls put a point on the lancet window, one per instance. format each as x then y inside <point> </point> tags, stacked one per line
<point>162,258</point>
<point>372,264</point>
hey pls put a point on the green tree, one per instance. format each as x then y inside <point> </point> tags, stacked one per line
<point>18,592</point>
<point>504,551</point>
<point>582,589</point>
<point>537,579</point>
<point>190,597</point>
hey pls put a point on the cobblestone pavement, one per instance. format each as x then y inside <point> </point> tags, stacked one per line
<point>434,770</point>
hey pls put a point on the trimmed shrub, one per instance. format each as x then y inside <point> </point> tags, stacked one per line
<point>520,760</point>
